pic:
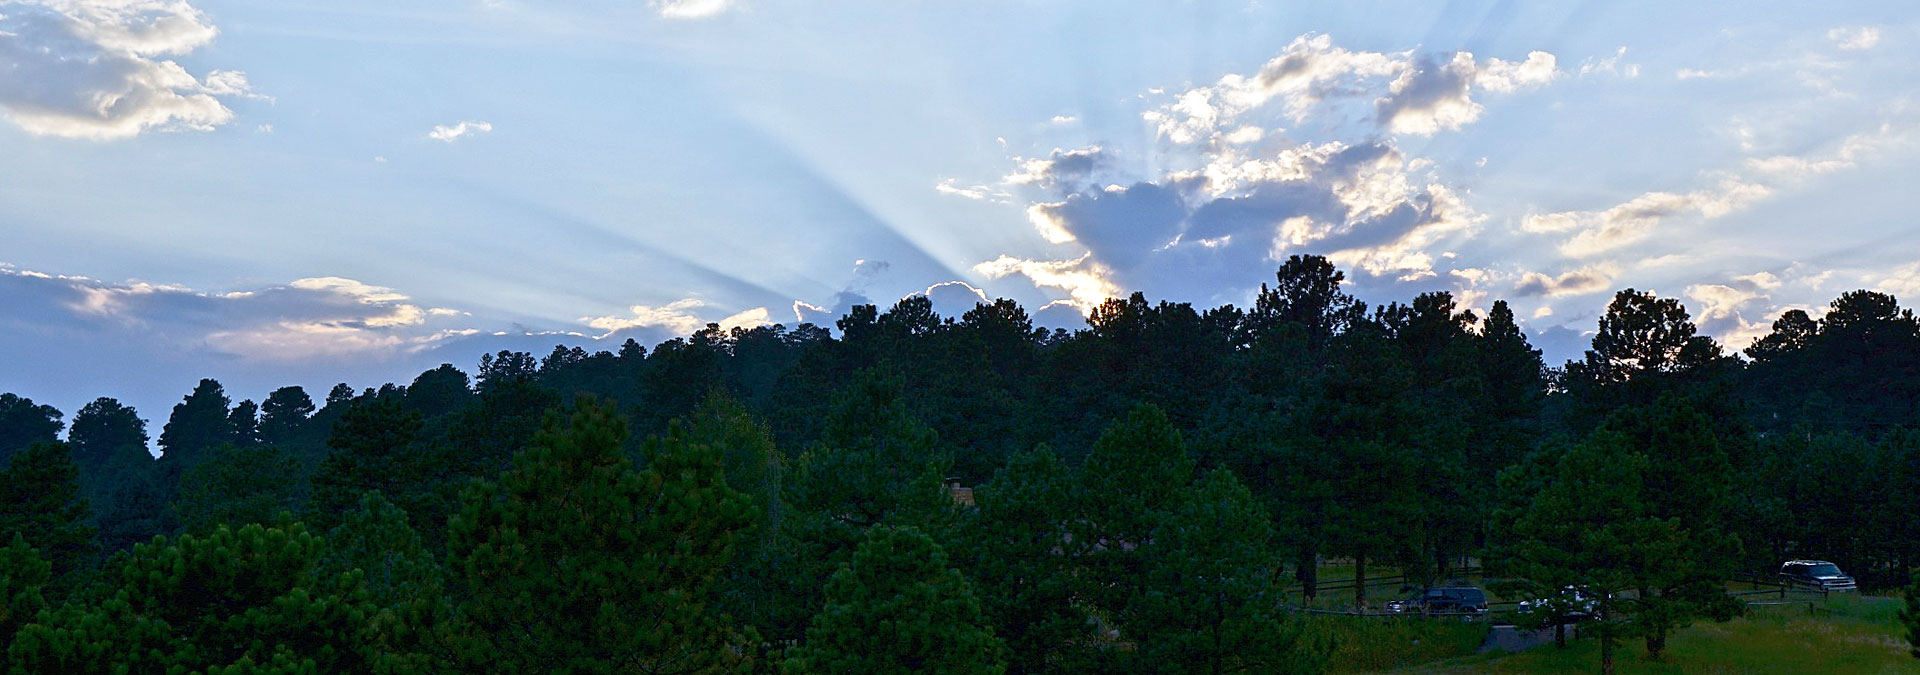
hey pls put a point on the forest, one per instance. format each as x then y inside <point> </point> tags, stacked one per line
<point>907,492</point>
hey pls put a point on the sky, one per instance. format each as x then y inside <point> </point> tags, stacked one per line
<point>290,192</point>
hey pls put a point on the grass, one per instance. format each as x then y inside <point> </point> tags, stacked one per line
<point>1848,634</point>
<point>1363,645</point>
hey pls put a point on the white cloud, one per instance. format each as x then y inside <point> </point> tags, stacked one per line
<point>752,318</point>
<point>1608,229</point>
<point>1412,95</point>
<point>1582,281</point>
<point>1611,65</point>
<point>94,69</point>
<point>1903,282</point>
<point>449,134</point>
<point>690,9</point>
<point>1855,38</point>
<point>1084,281</point>
<point>676,317</point>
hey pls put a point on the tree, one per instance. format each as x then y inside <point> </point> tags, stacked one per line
<point>108,437</point>
<point>246,600</point>
<point>1642,335</point>
<point>896,607</point>
<point>22,575</point>
<point>874,464</point>
<point>1307,294</point>
<point>40,501</point>
<point>24,423</point>
<point>237,486</point>
<point>416,623</point>
<point>283,412</point>
<point>573,561</point>
<point>1208,603</point>
<point>198,424</point>
<point>1138,468</point>
<point>1016,553</point>
<point>439,391</point>
<point>376,447</point>
<point>244,422</point>
<point>1605,524</point>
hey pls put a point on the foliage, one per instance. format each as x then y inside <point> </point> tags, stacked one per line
<point>1208,602</point>
<point>897,608</point>
<point>237,486</point>
<point>571,560</point>
<point>247,599</point>
<point>40,501</point>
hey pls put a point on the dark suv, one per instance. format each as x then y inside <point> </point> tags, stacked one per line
<point>1818,574</point>
<point>1444,601</point>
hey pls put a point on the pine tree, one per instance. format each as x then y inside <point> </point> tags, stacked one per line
<point>573,561</point>
<point>283,412</point>
<point>416,623</point>
<point>897,608</point>
<point>198,425</point>
<point>248,600</point>
<point>1138,468</point>
<point>24,423</point>
<point>40,501</point>
<point>1208,600</point>
<point>874,464</point>
<point>1016,552</point>
<point>237,486</point>
<point>376,447</point>
<point>22,576</point>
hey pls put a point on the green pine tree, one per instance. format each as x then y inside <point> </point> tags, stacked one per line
<point>1208,600</point>
<point>247,601</point>
<point>1138,468</point>
<point>897,608</point>
<point>1910,615</point>
<point>236,486</point>
<point>22,575</point>
<point>1016,553</point>
<point>572,561</point>
<point>40,501</point>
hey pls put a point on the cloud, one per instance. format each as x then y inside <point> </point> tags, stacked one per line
<point>1084,281</point>
<point>1418,95</point>
<point>449,134</point>
<point>95,69</point>
<point>1855,38</point>
<point>1582,281</point>
<point>690,9</point>
<point>1433,95</point>
<point>1903,282</point>
<point>676,317</point>
<point>1604,230</point>
<point>1611,65</point>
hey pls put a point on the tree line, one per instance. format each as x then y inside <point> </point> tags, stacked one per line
<point>778,499</point>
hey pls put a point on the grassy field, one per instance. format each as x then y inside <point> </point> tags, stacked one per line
<point>1849,634</point>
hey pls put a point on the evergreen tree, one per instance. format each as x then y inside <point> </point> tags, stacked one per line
<point>1138,468</point>
<point>573,561</point>
<point>40,500</point>
<point>244,422</point>
<point>237,486</point>
<point>1016,553</point>
<point>439,391</point>
<point>22,576</point>
<point>376,447</point>
<point>24,423</point>
<point>283,412</point>
<point>198,424</point>
<point>416,624</point>
<point>896,607</point>
<point>231,601</point>
<point>1209,601</point>
<point>875,464</point>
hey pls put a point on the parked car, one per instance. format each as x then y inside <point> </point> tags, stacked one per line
<point>1573,604</point>
<point>1818,574</point>
<point>1444,601</point>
